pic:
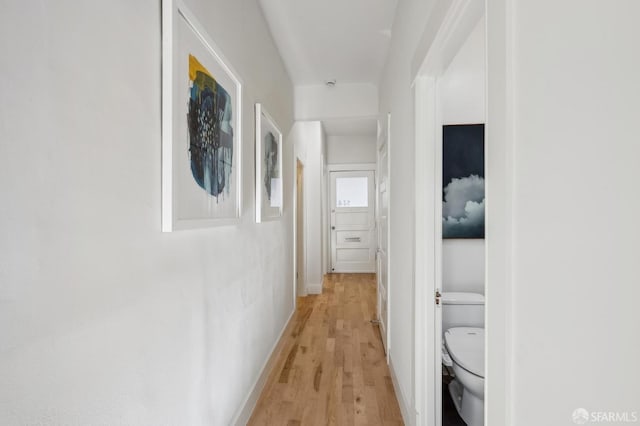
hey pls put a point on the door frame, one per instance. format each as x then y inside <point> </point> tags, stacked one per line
<point>346,167</point>
<point>455,21</point>
<point>384,138</point>
<point>296,290</point>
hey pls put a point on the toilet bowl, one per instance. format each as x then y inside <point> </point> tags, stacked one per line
<point>466,348</point>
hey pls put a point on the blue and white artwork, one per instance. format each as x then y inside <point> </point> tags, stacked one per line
<point>201,127</point>
<point>210,124</point>
<point>463,198</point>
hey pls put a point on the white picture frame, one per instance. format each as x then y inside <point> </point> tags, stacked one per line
<point>201,126</point>
<point>269,180</point>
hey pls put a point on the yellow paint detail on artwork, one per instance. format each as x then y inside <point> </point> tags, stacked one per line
<point>195,66</point>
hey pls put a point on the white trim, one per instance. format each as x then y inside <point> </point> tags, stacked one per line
<point>351,167</point>
<point>405,408</point>
<point>389,238</point>
<point>314,288</point>
<point>436,329</point>
<point>426,245</point>
<point>249,403</point>
<point>382,140</point>
<point>298,291</point>
<point>167,119</point>
<point>305,226</point>
<point>294,226</point>
<point>500,132</point>
<point>326,235</point>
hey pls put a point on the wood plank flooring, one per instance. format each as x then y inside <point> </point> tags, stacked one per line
<point>331,368</point>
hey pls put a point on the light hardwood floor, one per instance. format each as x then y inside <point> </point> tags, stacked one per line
<point>331,368</point>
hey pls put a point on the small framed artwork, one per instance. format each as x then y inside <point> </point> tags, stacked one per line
<point>201,126</point>
<point>268,167</point>
<point>463,198</point>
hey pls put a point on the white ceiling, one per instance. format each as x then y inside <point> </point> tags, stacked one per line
<point>346,40</point>
<point>351,127</point>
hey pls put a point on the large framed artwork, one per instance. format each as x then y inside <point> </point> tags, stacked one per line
<point>268,167</point>
<point>463,198</point>
<point>201,126</point>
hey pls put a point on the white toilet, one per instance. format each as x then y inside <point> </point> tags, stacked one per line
<point>463,326</point>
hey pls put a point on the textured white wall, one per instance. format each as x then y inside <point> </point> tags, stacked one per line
<point>351,149</point>
<point>463,265</point>
<point>103,318</point>
<point>569,161</point>
<point>462,91</point>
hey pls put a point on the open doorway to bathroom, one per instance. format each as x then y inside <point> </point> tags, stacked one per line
<point>461,88</point>
<point>462,285</point>
<point>450,117</point>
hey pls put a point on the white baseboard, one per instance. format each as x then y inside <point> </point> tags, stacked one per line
<point>250,401</point>
<point>314,288</point>
<point>405,408</point>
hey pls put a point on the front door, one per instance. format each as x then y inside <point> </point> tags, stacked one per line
<point>353,242</point>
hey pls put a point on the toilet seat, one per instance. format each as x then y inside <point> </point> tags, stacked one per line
<point>446,358</point>
<point>466,347</point>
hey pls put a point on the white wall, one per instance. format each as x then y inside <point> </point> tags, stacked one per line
<point>462,85</point>
<point>309,143</point>
<point>396,97</point>
<point>463,265</point>
<point>562,120</point>
<point>351,149</point>
<point>344,100</point>
<point>103,318</point>
<point>462,96</point>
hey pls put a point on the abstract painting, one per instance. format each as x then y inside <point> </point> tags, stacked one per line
<point>463,199</point>
<point>201,126</point>
<point>268,167</point>
<point>210,131</point>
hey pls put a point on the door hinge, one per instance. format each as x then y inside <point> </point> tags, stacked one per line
<point>438,296</point>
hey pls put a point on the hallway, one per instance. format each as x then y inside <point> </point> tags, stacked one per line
<point>331,368</point>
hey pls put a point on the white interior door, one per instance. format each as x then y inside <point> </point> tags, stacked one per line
<point>382,220</point>
<point>353,242</point>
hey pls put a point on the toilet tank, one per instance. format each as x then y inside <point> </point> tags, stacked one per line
<point>462,310</point>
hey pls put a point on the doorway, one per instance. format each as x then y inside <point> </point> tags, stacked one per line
<point>382,225</point>
<point>352,221</point>
<point>434,103</point>
<point>300,262</point>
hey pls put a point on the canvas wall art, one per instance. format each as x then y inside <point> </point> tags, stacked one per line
<point>463,199</point>
<point>201,130</point>
<point>268,167</point>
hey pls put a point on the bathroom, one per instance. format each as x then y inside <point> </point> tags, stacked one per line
<point>462,95</point>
